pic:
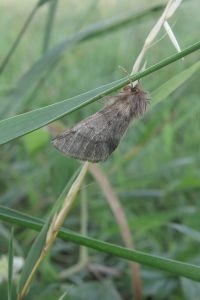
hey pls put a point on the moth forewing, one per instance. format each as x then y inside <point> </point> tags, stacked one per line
<point>96,137</point>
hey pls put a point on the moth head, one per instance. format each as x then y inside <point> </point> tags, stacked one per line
<point>130,89</point>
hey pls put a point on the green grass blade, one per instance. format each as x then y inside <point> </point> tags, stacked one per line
<point>171,85</point>
<point>186,230</point>
<point>42,2</point>
<point>49,25</point>
<point>10,265</point>
<point>18,39</point>
<point>40,68</point>
<point>174,267</point>
<point>154,220</point>
<point>40,241</point>
<point>14,126</point>
<point>34,255</point>
<point>19,125</point>
<point>20,35</point>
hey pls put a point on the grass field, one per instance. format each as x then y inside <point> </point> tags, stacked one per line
<point>146,193</point>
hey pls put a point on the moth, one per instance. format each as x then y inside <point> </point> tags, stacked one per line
<point>96,137</point>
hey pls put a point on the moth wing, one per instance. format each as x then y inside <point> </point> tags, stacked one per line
<point>92,139</point>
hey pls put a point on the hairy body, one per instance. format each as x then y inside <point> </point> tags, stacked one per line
<point>96,137</point>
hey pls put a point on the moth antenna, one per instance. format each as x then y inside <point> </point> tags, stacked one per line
<point>128,75</point>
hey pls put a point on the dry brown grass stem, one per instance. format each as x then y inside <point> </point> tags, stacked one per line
<point>121,219</point>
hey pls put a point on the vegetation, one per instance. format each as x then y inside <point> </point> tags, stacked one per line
<point>57,62</point>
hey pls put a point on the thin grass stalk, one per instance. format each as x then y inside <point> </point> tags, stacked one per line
<point>55,226</point>
<point>16,42</point>
<point>49,25</point>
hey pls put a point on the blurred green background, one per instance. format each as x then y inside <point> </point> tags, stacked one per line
<point>156,169</point>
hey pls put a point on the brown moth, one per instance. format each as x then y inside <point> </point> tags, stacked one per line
<point>96,137</point>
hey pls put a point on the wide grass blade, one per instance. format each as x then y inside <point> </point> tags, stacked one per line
<point>41,67</point>
<point>171,85</point>
<point>19,125</point>
<point>38,249</point>
<point>174,267</point>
